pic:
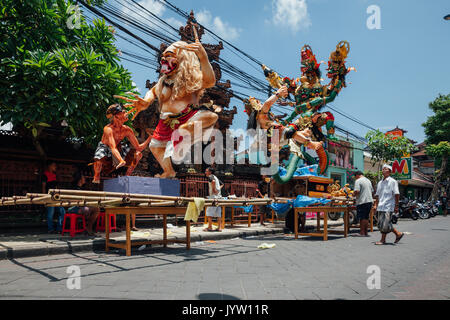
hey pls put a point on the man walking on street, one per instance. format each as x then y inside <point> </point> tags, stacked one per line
<point>386,203</point>
<point>364,201</point>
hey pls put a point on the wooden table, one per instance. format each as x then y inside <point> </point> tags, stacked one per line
<point>325,232</point>
<point>128,211</point>
<point>232,222</point>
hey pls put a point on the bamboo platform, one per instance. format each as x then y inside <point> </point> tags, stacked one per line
<point>69,198</point>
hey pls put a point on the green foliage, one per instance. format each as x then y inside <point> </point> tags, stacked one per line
<point>440,152</point>
<point>437,131</point>
<point>442,149</point>
<point>50,72</point>
<point>384,148</point>
<point>437,127</point>
<point>374,177</point>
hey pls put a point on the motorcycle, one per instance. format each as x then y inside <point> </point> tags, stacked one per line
<point>407,209</point>
<point>423,210</point>
<point>435,208</point>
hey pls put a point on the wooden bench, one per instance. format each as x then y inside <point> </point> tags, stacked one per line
<point>326,231</point>
<point>128,211</point>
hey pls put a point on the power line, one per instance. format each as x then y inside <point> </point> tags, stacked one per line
<point>332,107</point>
<point>97,12</point>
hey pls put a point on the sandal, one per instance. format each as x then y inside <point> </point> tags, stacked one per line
<point>208,230</point>
<point>217,230</point>
<point>379,243</point>
<point>399,238</point>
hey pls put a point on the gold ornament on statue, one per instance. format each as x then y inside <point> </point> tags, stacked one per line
<point>341,53</point>
<point>272,77</point>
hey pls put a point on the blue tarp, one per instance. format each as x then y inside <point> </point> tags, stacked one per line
<point>299,202</point>
<point>247,209</point>
<point>302,171</point>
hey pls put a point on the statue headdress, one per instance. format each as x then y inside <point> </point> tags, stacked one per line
<point>336,64</point>
<point>341,52</point>
<point>253,103</point>
<point>308,60</point>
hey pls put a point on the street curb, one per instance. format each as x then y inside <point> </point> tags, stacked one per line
<point>99,244</point>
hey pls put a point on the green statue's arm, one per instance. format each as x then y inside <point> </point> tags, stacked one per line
<point>314,103</point>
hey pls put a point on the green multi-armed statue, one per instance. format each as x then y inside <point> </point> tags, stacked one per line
<point>310,96</point>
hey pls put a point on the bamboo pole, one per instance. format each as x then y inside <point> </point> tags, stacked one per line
<point>102,203</point>
<point>84,203</point>
<point>39,200</point>
<point>114,194</point>
<point>133,195</point>
<point>146,200</point>
<point>88,198</point>
<point>13,198</point>
<point>157,204</point>
<point>57,197</point>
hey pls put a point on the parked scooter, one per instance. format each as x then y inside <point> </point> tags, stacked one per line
<point>435,208</point>
<point>407,209</point>
<point>423,210</point>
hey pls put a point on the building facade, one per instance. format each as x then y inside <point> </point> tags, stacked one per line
<point>346,158</point>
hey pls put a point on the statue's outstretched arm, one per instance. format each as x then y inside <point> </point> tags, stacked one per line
<point>282,92</point>
<point>315,102</point>
<point>139,104</point>
<point>134,141</point>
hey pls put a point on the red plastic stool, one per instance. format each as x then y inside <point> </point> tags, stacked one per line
<point>101,222</point>
<point>74,229</point>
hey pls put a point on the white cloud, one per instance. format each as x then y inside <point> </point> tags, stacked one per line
<point>291,13</point>
<point>135,86</point>
<point>174,22</point>
<point>153,6</point>
<point>216,25</point>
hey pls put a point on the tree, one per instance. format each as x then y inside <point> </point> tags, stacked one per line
<point>437,131</point>
<point>439,151</point>
<point>387,147</point>
<point>56,71</point>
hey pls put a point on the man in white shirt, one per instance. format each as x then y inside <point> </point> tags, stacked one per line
<point>214,193</point>
<point>364,201</point>
<point>386,203</point>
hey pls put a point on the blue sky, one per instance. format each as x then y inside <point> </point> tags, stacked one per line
<point>400,67</point>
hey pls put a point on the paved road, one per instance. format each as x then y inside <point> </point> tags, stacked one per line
<point>416,268</point>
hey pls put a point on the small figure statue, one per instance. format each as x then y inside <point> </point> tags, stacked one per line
<point>112,151</point>
<point>334,188</point>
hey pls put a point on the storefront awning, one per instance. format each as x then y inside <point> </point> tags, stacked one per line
<point>420,183</point>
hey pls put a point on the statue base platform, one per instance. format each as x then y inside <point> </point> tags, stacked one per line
<point>143,185</point>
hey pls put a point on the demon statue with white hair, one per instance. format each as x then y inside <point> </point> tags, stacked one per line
<point>186,73</point>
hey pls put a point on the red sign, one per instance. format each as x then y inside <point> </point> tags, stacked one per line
<point>395,133</point>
